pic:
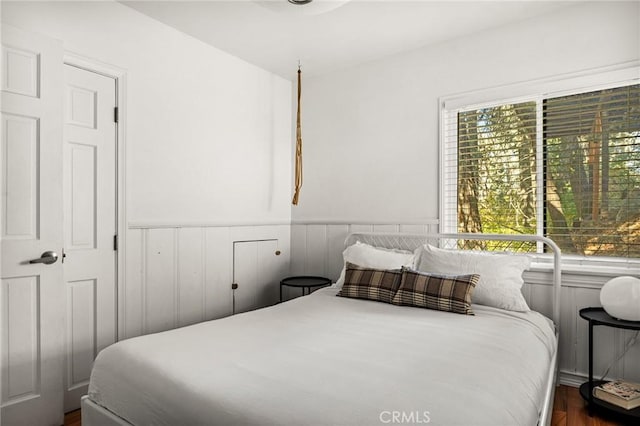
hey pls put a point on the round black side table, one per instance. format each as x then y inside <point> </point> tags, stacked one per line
<point>304,282</point>
<point>598,316</point>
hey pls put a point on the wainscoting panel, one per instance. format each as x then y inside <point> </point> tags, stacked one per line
<point>604,337</point>
<point>567,343</point>
<point>130,300</point>
<point>218,272</point>
<point>191,268</point>
<point>317,249</point>
<point>629,367</point>
<point>335,246</point>
<point>298,249</point>
<point>179,275</point>
<point>160,308</point>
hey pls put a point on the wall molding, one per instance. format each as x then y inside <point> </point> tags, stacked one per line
<point>364,222</point>
<point>213,224</point>
<point>277,222</point>
<point>570,278</point>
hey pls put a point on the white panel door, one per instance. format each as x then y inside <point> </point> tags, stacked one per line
<point>89,223</point>
<point>32,297</point>
<point>257,269</point>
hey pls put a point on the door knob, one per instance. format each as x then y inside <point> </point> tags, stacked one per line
<point>48,257</point>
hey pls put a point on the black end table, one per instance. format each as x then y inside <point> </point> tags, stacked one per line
<point>304,282</point>
<point>598,316</point>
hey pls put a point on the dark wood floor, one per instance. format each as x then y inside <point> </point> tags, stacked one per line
<point>568,410</point>
<point>72,418</point>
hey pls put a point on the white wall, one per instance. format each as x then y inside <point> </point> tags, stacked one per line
<point>371,132</point>
<point>187,104</point>
<point>208,147</point>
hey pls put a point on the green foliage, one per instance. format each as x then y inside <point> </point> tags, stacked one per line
<point>591,165</point>
<point>506,191</point>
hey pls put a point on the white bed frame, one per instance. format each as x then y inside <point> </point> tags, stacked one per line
<point>96,415</point>
<point>413,241</point>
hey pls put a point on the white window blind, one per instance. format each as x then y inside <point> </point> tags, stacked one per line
<point>567,167</point>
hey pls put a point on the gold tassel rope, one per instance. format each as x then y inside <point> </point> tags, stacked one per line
<point>298,182</point>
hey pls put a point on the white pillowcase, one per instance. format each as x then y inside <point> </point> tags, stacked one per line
<point>500,275</point>
<point>368,256</point>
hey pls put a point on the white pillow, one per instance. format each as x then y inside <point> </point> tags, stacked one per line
<point>368,256</point>
<point>500,275</point>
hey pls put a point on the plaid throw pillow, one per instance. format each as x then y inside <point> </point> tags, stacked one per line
<point>441,292</point>
<point>368,283</point>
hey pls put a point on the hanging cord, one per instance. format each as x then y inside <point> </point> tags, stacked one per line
<point>630,343</point>
<point>298,181</point>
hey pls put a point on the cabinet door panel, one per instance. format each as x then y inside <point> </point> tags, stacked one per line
<point>257,270</point>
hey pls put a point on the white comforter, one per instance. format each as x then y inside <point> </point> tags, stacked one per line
<point>326,360</point>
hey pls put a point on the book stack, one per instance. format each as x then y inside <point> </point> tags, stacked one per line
<point>620,393</point>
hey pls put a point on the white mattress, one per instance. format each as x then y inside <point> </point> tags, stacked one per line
<point>321,360</point>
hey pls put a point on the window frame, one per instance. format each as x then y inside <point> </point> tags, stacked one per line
<point>620,75</point>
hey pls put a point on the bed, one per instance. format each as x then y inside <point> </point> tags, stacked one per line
<point>327,360</point>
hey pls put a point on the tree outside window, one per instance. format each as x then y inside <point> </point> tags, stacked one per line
<point>565,167</point>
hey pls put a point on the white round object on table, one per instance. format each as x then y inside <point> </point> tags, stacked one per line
<point>620,298</point>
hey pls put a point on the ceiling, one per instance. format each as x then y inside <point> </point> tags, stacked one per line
<point>329,35</point>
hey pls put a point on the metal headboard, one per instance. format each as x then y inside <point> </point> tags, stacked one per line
<point>413,241</point>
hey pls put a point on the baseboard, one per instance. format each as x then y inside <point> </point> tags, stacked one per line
<point>572,379</point>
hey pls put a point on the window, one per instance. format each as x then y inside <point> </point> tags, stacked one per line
<point>566,167</point>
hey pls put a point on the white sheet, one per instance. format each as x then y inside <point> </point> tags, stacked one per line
<point>321,360</point>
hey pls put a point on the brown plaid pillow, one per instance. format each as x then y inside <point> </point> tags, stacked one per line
<point>368,283</point>
<point>442,292</point>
